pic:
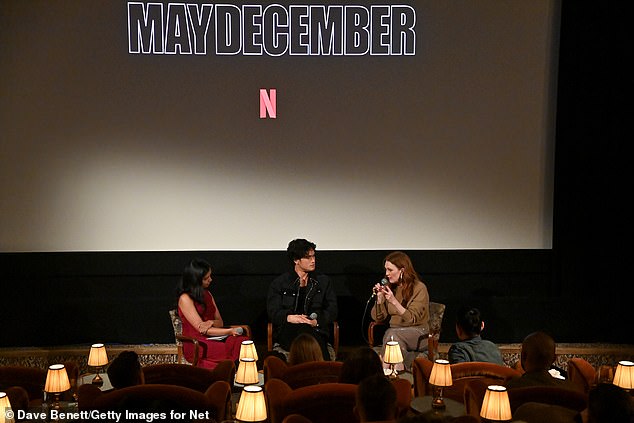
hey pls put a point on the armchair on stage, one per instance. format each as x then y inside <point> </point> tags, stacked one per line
<point>436,313</point>
<point>177,324</point>
<point>333,344</point>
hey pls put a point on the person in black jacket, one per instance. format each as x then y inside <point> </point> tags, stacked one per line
<point>302,301</point>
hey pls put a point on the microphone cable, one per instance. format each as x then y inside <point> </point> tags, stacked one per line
<point>383,282</point>
<point>363,319</point>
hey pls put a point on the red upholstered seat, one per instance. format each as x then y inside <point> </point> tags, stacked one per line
<point>296,418</point>
<point>32,379</point>
<point>196,378</point>
<point>574,400</point>
<point>461,373</point>
<point>323,403</point>
<point>581,374</point>
<point>157,398</point>
<point>304,374</point>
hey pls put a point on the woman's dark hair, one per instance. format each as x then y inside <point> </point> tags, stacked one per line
<point>299,248</point>
<point>376,399</point>
<point>469,320</point>
<point>362,363</point>
<point>192,280</point>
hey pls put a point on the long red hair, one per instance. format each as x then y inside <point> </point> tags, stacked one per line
<point>402,261</point>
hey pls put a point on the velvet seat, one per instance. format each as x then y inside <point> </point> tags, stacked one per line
<point>323,403</point>
<point>158,398</point>
<point>304,374</point>
<point>581,374</point>
<point>196,378</point>
<point>568,398</point>
<point>32,379</point>
<point>461,373</point>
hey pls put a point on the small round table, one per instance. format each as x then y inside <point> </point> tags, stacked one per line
<point>452,408</point>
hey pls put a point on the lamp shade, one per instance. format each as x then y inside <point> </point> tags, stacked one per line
<point>5,407</point>
<point>56,379</point>
<point>624,375</point>
<point>247,372</point>
<point>247,350</point>
<point>393,353</point>
<point>496,404</point>
<point>97,356</point>
<point>251,407</point>
<point>441,373</point>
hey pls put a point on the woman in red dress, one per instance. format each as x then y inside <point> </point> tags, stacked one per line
<point>201,318</point>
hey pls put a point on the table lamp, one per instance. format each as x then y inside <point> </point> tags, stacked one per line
<point>393,356</point>
<point>97,359</point>
<point>624,375</point>
<point>496,406</point>
<point>247,350</point>
<point>6,413</point>
<point>440,377</point>
<point>247,373</point>
<point>56,382</point>
<point>251,407</point>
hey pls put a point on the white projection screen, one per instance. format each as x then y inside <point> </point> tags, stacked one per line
<point>377,134</point>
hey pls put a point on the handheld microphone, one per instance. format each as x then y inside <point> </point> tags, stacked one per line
<point>240,330</point>
<point>383,282</point>
<point>312,316</point>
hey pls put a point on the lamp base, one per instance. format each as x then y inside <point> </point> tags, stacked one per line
<point>97,380</point>
<point>438,404</point>
<point>393,372</point>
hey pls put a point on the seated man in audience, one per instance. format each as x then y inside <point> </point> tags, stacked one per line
<point>471,346</point>
<point>376,400</point>
<point>537,357</point>
<point>125,370</point>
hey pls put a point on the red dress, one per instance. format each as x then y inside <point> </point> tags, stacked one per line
<point>212,352</point>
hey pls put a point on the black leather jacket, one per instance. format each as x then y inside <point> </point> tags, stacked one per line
<point>283,298</point>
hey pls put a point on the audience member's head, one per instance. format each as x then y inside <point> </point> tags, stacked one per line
<point>125,370</point>
<point>376,399</point>
<point>304,348</point>
<point>469,323</point>
<point>363,362</point>
<point>607,403</point>
<point>427,417</point>
<point>538,352</point>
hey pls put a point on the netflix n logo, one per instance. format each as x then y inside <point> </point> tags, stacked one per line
<point>268,103</point>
